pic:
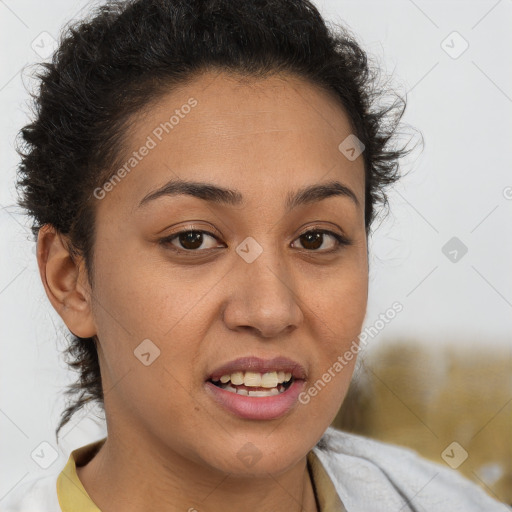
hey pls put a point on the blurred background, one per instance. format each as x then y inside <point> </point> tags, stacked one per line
<point>437,377</point>
<point>451,405</point>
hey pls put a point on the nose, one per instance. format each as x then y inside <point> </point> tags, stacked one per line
<point>264,297</point>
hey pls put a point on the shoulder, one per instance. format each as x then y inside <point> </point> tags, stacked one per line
<point>372,475</point>
<point>38,494</point>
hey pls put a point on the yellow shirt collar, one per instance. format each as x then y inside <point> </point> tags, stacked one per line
<point>71,493</point>
<point>74,498</point>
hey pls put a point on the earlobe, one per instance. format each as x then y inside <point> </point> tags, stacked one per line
<point>65,282</point>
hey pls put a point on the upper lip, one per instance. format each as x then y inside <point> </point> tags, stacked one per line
<point>256,364</point>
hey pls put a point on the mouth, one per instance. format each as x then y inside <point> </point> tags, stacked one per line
<point>254,388</point>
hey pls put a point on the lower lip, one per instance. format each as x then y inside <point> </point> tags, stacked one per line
<point>257,407</point>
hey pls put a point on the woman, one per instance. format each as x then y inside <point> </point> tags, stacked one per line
<point>203,176</point>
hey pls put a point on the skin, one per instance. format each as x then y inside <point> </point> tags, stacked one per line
<point>169,445</point>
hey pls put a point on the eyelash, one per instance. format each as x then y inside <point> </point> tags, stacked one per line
<point>341,241</point>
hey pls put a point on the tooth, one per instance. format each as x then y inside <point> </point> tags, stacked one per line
<point>242,391</point>
<point>230,388</point>
<point>237,378</point>
<point>259,393</point>
<point>252,379</point>
<point>269,380</point>
<point>270,392</point>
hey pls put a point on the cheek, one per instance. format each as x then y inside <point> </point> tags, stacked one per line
<point>144,297</point>
<point>340,308</point>
<point>343,308</point>
<point>340,299</point>
<point>137,300</point>
<point>150,329</point>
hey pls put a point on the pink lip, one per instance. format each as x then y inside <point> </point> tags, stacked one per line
<point>256,364</point>
<point>257,407</point>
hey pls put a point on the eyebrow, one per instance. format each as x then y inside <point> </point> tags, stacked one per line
<point>220,195</point>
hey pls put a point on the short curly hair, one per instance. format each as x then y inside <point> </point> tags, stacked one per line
<point>126,54</point>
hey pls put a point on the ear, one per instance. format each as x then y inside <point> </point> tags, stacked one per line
<point>65,282</point>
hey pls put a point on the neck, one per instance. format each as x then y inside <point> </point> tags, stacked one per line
<point>145,478</point>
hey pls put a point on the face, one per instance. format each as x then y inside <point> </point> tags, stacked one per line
<point>250,275</point>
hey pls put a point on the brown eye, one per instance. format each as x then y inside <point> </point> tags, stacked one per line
<point>314,239</point>
<point>189,240</point>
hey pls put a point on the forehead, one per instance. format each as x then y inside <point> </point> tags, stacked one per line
<point>242,133</point>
